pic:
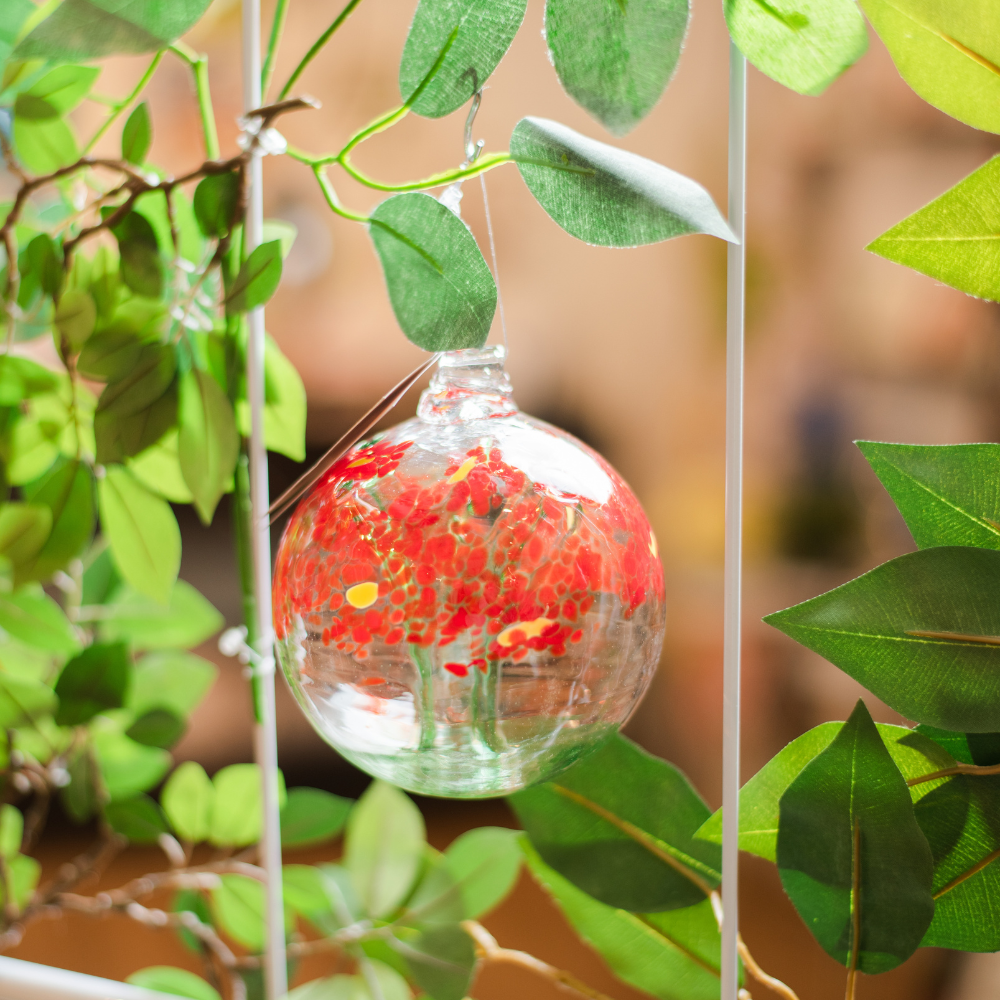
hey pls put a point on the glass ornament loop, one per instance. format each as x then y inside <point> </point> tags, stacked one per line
<point>471,601</point>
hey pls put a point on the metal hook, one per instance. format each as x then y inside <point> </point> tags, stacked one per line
<point>473,149</point>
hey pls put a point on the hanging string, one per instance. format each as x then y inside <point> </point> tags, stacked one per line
<point>493,254</point>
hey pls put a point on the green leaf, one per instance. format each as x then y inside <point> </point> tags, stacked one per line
<point>24,874</point>
<point>46,145</point>
<point>44,264</point>
<point>284,406</point>
<point>138,818</point>
<point>177,982</point>
<point>24,529</point>
<point>955,238</point>
<point>675,955</point>
<point>281,230</point>
<point>187,800</point>
<point>258,279</point>
<point>13,14</point>
<point>216,199</point>
<point>137,135</point>
<point>485,864</point>
<point>142,532</point>
<point>615,59</point>
<point>384,847</point>
<point>959,819</point>
<point>238,905</point>
<point>607,196</point>
<point>35,619</point>
<point>92,682</point>
<point>948,53</point>
<point>620,825</point>
<point>79,797</point>
<point>305,890</point>
<point>146,380</point>
<point>75,317</point>
<point>912,752</point>
<point>56,93</point>
<point>850,851</point>
<point>170,679</point>
<point>312,816</point>
<point>442,961</point>
<point>391,986</point>
<point>127,767</point>
<point>187,620</point>
<point>947,494</point>
<point>67,492</point>
<point>21,378</point>
<point>191,901</point>
<point>141,267</point>
<point>803,44</point>
<point>237,807</point>
<point>88,29</point>
<point>158,468</point>
<point>11,831</point>
<point>867,628</point>
<point>23,700</point>
<point>159,727</point>
<point>208,444</point>
<point>482,30</point>
<point>956,744</point>
<point>110,355</point>
<point>441,290</point>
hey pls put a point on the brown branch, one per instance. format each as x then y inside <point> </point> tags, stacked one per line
<point>959,879</point>
<point>947,772</point>
<point>852,967</point>
<point>760,975</point>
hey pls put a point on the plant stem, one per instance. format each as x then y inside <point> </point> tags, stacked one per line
<point>118,107</point>
<point>776,985</point>
<point>947,772</point>
<point>481,165</point>
<point>277,27</point>
<point>199,67</point>
<point>852,967</point>
<point>317,45</point>
<point>331,197</point>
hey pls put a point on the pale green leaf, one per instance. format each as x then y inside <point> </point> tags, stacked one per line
<point>187,800</point>
<point>158,468</point>
<point>238,904</point>
<point>485,864</point>
<point>237,807</point>
<point>312,816</point>
<point>23,700</point>
<point>170,679</point>
<point>127,767</point>
<point>56,93</point>
<point>44,145</point>
<point>24,529</point>
<point>186,621</point>
<point>284,406</point>
<point>137,135</point>
<point>11,830</point>
<point>176,982</point>
<point>35,619</point>
<point>67,492</point>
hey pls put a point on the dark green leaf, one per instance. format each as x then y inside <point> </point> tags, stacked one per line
<point>215,202</point>
<point>35,619</point>
<point>88,29</point>
<point>954,238</point>
<point>984,747</point>
<point>208,445</point>
<point>187,620</point>
<point>170,679</point>
<point>176,982</point>
<point>258,279</point>
<point>44,263</point>
<point>144,383</point>
<point>100,578</point>
<point>23,700</point>
<point>142,532</point>
<point>384,847</point>
<point>79,797</point>
<point>441,290</point>
<point>620,825</point>
<point>867,628</point>
<point>74,319</point>
<point>485,864</point>
<point>138,818</point>
<point>121,436</point>
<point>159,727</point>
<point>127,767</point>
<point>615,59</point>
<point>667,955</point>
<point>44,146</point>
<point>605,195</point>
<point>947,52</point>
<point>92,682</point>
<point>110,355</point>
<point>187,800</point>
<point>442,961</point>
<point>312,816</point>
<point>804,44</point>
<point>482,30</point>
<point>141,267</point>
<point>850,850</point>
<point>56,93</point>
<point>23,530</point>
<point>955,744</point>
<point>191,901</point>
<point>67,491</point>
<point>137,135</point>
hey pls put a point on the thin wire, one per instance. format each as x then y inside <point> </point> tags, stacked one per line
<point>496,272</point>
<point>733,572</point>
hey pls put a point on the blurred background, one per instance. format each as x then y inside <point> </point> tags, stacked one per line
<point>624,348</point>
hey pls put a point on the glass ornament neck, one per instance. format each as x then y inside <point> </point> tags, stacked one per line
<point>468,385</point>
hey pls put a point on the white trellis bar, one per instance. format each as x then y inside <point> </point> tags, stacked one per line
<point>733,573</point>
<point>28,981</point>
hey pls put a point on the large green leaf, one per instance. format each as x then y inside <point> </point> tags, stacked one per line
<point>850,853</point>
<point>616,58</point>
<point>483,31</point>
<point>88,29</point>
<point>237,806</point>
<point>176,982</point>
<point>257,279</point>
<point>216,199</point>
<point>238,904</point>
<point>142,532</point>
<point>208,445</point>
<point>620,825</point>
<point>956,238</point>
<point>74,319</point>
<point>186,621</point>
<point>441,290</point>
<point>384,847</point>
<point>912,752</point>
<point>961,820</point>
<point>673,956</point>
<point>35,619</point>
<point>44,145</point>
<point>13,13</point>
<point>56,93</point>
<point>608,196</point>
<point>484,864</point>
<point>885,630</point>
<point>949,53</point>
<point>67,491</point>
<point>148,374</point>
<point>127,767</point>
<point>391,986</point>
<point>312,816</point>
<point>141,267</point>
<point>158,467</point>
<point>95,680</point>
<point>187,800</point>
<point>24,528</point>
<point>24,700</point>
<point>442,962</point>
<point>804,44</point>
<point>170,679</point>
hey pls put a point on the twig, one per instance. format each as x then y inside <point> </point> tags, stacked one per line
<point>316,46</point>
<point>947,772</point>
<point>760,975</point>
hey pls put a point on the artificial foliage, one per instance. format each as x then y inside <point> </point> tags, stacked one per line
<point>885,837</point>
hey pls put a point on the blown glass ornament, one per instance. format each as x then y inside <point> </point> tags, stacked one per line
<point>468,603</point>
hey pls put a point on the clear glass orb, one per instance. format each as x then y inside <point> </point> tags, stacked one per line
<point>469,602</point>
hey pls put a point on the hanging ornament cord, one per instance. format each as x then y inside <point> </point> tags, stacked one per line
<point>265,734</point>
<point>733,572</point>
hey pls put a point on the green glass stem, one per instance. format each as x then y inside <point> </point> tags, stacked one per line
<point>428,722</point>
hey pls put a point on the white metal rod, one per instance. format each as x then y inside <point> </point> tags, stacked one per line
<point>733,574</point>
<point>28,981</point>
<point>265,732</point>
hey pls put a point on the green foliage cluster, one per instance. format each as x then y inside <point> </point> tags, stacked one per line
<point>886,838</point>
